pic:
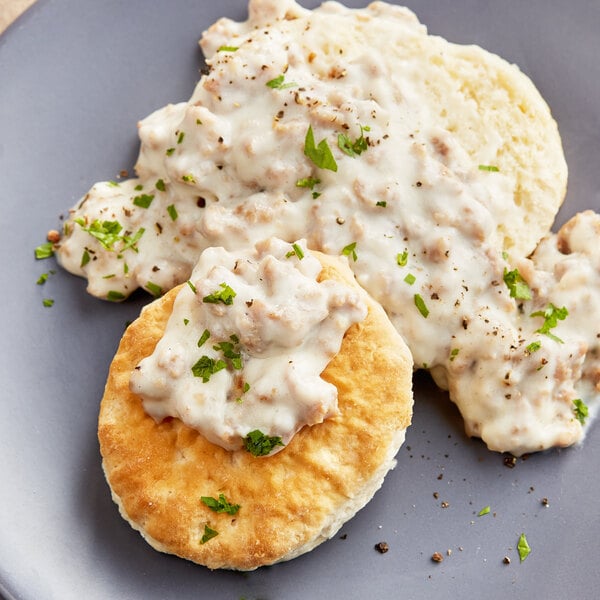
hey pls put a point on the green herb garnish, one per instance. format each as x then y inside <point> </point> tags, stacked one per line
<point>45,250</point>
<point>227,48</point>
<point>552,315</point>
<point>224,295</point>
<point>220,504</point>
<point>350,250</point>
<point>489,168</point>
<point>533,347</point>
<point>356,147</point>
<point>420,304</point>
<point>169,151</point>
<point>188,178</point>
<point>114,296</point>
<point>181,137</point>
<point>454,353</point>
<point>381,203</point>
<point>192,286</point>
<point>172,211</point>
<point>209,534</point>
<point>206,366</point>
<point>154,289</point>
<point>308,182</point>
<point>259,444</point>
<point>523,547</point>
<point>402,258</point>
<point>48,302</point>
<point>516,284</point>
<point>143,200</point>
<point>278,83</point>
<point>85,258</point>
<point>230,351</point>
<point>484,511</point>
<point>205,335</point>
<point>160,185</point>
<point>581,410</point>
<point>410,279</point>
<point>320,154</point>
<point>296,250</point>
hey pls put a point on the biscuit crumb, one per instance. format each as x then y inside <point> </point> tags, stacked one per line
<point>437,557</point>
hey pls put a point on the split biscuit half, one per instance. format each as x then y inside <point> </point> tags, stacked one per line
<point>289,502</point>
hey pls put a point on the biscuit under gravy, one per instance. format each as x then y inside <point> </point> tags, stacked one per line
<point>289,502</point>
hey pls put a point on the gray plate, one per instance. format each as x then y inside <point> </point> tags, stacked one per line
<point>75,75</point>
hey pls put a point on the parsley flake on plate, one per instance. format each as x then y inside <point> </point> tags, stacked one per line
<point>523,547</point>
<point>224,295</point>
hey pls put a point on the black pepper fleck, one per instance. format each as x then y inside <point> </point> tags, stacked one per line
<point>382,547</point>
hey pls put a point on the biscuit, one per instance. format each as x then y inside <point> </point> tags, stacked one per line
<point>289,502</point>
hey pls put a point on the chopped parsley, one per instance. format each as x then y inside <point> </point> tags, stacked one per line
<point>169,151</point>
<point>533,347</point>
<point>44,277</point>
<point>108,233</point>
<point>203,338</point>
<point>154,289</point>
<point>85,258</point>
<point>48,302</point>
<point>227,48</point>
<point>259,444</point>
<point>206,366</point>
<point>484,511</point>
<point>402,258</point>
<point>308,182</point>
<point>454,353</point>
<point>581,410</point>
<point>44,250</point>
<point>114,296</point>
<point>224,295</point>
<point>143,200</point>
<point>523,547</point>
<point>278,83</point>
<point>181,137</point>
<point>220,504</point>
<point>112,183</point>
<point>230,351</point>
<point>552,315</point>
<point>489,168</point>
<point>139,187</point>
<point>410,279</point>
<point>209,534</point>
<point>381,203</point>
<point>188,178</point>
<point>356,147</point>
<point>296,250</point>
<point>350,250</point>
<point>420,304</point>
<point>516,284</point>
<point>172,211</point>
<point>160,185</point>
<point>192,286</point>
<point>320,154</point>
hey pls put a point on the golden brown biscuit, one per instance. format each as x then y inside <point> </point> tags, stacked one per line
<point>291,501</point>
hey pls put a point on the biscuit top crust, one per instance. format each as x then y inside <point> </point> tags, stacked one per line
<point>241,357</point>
